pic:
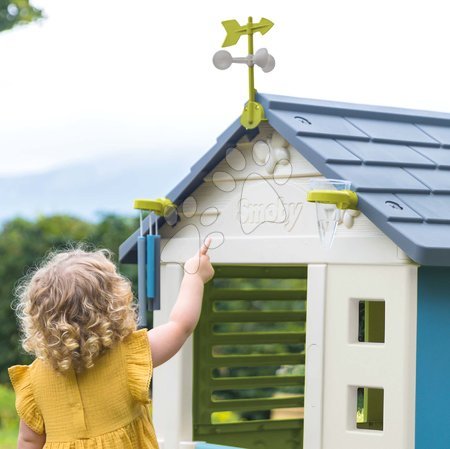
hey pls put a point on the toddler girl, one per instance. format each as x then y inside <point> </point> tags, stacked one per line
<point>89,384</point>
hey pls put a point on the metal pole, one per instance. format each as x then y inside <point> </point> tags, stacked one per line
<point>251,71</point>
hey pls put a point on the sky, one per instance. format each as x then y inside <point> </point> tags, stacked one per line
<point>105,77</point>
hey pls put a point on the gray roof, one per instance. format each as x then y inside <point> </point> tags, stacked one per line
<point>398,161</point>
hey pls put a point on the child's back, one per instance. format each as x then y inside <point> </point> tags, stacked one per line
<point>107,403</point>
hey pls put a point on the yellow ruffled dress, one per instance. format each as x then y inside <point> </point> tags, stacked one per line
<point>104,407</point>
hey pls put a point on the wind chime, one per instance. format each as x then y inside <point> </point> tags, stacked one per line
<point>149,254</point>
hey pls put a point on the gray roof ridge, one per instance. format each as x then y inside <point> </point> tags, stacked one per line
<point>272,101</point>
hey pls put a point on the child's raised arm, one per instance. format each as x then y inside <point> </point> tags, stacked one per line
<point>167,339</point>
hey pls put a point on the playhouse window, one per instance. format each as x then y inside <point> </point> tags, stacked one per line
<point>370,405</point>
<point>249,357</point>
<point>371,323</point>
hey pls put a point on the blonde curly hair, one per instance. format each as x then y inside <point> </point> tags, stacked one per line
<point>74,307</point>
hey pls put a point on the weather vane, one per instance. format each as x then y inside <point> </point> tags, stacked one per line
<point>253,112</point>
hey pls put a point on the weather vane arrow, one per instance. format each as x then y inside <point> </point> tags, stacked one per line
<point>253,112</point>
<point>235,31</point>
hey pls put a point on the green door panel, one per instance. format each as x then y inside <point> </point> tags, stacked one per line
<point>249,358</point>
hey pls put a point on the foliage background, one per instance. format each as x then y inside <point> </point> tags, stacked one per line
<point>17,12</point>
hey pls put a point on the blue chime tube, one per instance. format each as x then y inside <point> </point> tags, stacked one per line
<point>153,268</point>
<point>141,262</point>
<point>153,271</point>
<point>157,299</point>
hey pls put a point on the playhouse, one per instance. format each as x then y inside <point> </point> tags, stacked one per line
<point>298,345</point>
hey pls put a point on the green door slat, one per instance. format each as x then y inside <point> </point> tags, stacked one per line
<point>257,317</point>
<point>260,271</point>
<point>259,294</point>
<point>257,382</point>
<point>246,338</point>
<point>256,404</point>
<point>252,360</point>
<point>289,436</point>
<point>245,426</point>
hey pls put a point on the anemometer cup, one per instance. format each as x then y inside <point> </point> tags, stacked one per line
<point>222,60</point>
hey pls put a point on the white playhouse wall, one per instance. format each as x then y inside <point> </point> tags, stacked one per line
<point>257,215</point>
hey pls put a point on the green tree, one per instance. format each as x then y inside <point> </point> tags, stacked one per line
<point>110,232</point>
<point>24,243</point>
<point>17,12</point>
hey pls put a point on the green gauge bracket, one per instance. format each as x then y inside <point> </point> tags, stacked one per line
<point>343,199</point>
<point>160,206</point>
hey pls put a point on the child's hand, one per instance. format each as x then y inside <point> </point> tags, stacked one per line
<point>200,263</point>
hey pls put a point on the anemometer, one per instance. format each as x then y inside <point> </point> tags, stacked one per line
<point>253,112</point>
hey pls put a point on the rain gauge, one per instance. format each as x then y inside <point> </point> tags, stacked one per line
<point>332,197</point>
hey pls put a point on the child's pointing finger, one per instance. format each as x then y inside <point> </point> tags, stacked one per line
<point>205,246</point>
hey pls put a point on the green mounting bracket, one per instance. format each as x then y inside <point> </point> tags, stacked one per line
<point>253,113</point>
<point>160,206</point>
<point>343,199</point>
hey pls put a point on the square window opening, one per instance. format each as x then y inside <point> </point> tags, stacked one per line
<point>371,321</point>
<point>369,408</point>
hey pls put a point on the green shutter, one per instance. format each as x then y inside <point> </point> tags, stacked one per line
<point>249,356</point>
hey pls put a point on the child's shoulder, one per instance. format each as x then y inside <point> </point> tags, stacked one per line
<point>137,334</point>
<point>36,372</point>
<point>137,344</point>
<point>23,371</point>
